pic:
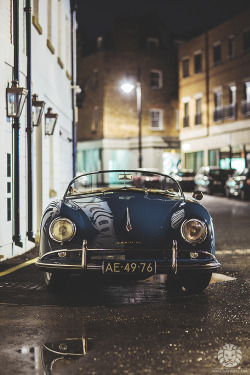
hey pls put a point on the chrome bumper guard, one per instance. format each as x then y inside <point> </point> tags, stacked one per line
<point>46,263</point>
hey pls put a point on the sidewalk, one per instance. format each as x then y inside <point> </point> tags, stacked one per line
<point>19,259</point>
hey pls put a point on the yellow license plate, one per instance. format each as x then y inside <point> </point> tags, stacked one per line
<point>129,267</point>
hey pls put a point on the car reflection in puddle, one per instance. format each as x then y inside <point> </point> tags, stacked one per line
<point>216,278</point>
<point>50,357</point>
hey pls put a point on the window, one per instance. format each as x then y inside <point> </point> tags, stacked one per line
<point>156,116</point>
<point>186,115</point>
<point>185,67</point>
<point>218,110</point>
<point>67,60</point>
<point>198,111</point>
<point>246,102</point>
<point>95,78</point>
<point>232,95</point>
<point>246,41</point>
<point>8,209</point>
<point>153,43</point>
<point>49,27</point>
<point>231,47</point>
<point>197,63</point>
<point>217,99</point>
<point>247,91</point>
<point>230,110</point>
<point>59,33</point>
<point>35,16</point>
<point>155,79</point>
<point>8,165</point>
<point>217,54</point>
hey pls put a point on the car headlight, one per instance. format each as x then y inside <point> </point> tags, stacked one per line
<point>194,230</point>
<point>62,229</point>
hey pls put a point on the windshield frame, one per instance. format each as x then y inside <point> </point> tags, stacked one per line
<point>125,171</point>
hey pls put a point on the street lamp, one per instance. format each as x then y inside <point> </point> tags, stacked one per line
<point>37,110</point>
<point>127,87</point>
<point>15,99</point>
<point>50,121</point>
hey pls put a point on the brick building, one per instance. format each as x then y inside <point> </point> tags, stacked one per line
<point>108,119</point>
<point>214,96</point>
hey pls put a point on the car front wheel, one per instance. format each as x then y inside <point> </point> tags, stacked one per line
<point>195,282</point>
<point>56,281</point>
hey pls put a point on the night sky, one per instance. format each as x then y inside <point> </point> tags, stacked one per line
<point>96,16</point>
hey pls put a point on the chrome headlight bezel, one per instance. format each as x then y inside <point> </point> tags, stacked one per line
<point>201,238</point>
<point>52,224</point>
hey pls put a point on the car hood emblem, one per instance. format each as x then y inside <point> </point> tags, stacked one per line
<point>128,225</point>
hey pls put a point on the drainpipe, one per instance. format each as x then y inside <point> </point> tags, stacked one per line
<point>29,128</point>
<point>207,79</point>
<point>73,85</point>
<point>16,126</point>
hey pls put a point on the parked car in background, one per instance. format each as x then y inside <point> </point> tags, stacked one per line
<point>115,229</point>
<point>185,177</point>
<point>212,179</point>
<point>238,185</point>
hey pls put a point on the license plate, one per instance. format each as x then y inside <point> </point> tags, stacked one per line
<point>129,267</point>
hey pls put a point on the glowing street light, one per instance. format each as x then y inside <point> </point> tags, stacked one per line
<point>128,87</point>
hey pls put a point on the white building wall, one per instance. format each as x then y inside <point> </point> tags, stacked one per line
<point>52,155</point>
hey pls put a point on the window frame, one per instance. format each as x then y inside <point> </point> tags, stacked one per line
<point>199,70</point>
<point>159,80</point>
<point>159,111</point>
<point>217,47</point>
<point>153,43</point>
<point>185,67</point>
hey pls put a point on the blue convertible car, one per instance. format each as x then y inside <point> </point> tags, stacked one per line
<point>127,223</point>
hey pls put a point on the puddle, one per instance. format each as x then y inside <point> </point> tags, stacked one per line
<point>50,357</point>
<point>216,278</point>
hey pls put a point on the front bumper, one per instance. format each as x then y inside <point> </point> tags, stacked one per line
<point>84,259</point>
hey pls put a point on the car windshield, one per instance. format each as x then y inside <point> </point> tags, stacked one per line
<point>105,182</point>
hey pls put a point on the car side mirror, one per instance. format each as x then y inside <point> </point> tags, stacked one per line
<point>197,195</point>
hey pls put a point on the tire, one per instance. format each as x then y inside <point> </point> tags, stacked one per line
<point>195,282</point>
<point>173,283</point>
<point>56,282</point>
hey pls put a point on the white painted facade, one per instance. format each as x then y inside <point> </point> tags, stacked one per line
<point>51,81</point>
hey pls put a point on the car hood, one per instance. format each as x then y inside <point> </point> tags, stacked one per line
<point>134,219</point>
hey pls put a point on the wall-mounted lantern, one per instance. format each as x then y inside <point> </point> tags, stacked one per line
<point>15,99</point>
<point>37,110</point>
<point>50,121</point>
